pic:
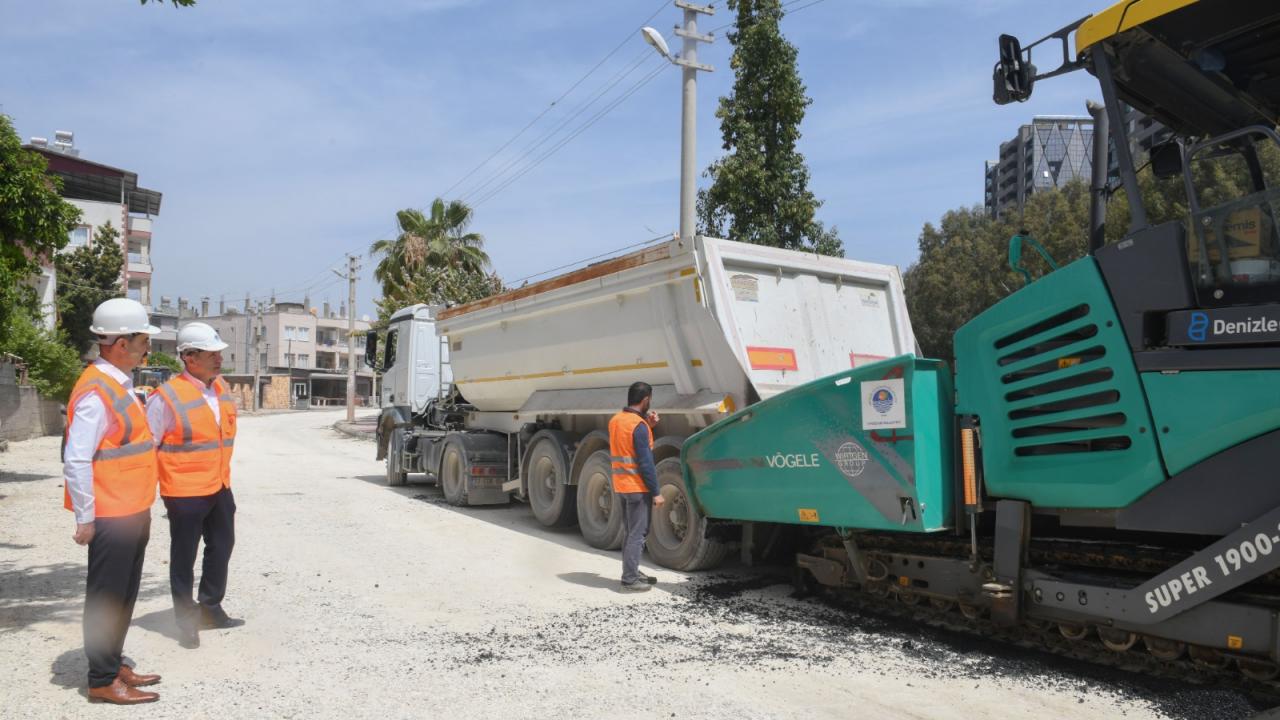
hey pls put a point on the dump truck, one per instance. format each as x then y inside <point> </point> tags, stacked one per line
<point>1098,469</point>
<point>510,396</point>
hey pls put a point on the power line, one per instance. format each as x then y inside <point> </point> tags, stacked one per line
<point>529,150</point>
<point>563,95</point>
<point>578,131</point>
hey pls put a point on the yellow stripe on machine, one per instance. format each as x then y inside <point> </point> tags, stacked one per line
<point>1123,16</point>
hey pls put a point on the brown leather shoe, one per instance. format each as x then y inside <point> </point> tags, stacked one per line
<point>117,693</point>
<point>133,679</point>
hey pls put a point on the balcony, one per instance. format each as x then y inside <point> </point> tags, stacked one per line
<point>139,263</point>
<point>139,225</point>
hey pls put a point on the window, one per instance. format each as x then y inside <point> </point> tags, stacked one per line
<point>304,360</point>
<point>304,334</point>
<point>290,332</point>
<point>79,236</point>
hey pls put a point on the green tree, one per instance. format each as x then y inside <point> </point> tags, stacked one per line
<point>434,258</point>
<point>87,277</point>
<point>158,359</point>
<point>34,222</point>
<point>759,190</point>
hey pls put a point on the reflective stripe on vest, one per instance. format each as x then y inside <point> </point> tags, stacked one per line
<point>195,451</point>
<point>124,463</point>
<point>625,472</point>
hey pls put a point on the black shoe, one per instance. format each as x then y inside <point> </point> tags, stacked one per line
<point>188,637</point>
<point>648,578</point>
<point>637,586</point>
<point>217,619</point>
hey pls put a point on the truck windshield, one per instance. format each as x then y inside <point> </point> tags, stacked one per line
<point>1234,246</point>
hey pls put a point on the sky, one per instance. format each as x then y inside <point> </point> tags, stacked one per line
<point>286,134</point>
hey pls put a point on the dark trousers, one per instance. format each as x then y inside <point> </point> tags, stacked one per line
<point>635,520</point>
<point>212,517</point>
<point>111,589</point>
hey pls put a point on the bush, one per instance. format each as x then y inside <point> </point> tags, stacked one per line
<point>52,365</point>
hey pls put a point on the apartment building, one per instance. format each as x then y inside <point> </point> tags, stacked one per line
<point>103,194</point>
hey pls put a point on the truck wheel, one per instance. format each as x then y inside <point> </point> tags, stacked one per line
<point>547,476</point>
<point>453,475</point>
<point>599,510</point>
<point>676,535</point>
<point>395,477</point>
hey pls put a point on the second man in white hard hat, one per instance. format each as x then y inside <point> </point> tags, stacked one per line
<point>193,417</point>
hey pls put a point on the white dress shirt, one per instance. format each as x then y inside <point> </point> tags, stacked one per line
<point>160,415</point>
<point>89,425</point>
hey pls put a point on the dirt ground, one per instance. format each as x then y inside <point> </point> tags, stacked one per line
<point>368,601</point>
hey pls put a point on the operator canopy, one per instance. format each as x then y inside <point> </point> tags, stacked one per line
<point>1200,67</point>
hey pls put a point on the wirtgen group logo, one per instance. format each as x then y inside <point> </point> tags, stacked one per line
<point>1198,328</point>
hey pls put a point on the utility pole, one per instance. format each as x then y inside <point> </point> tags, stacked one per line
<point>690,67</point>
<point>257,364</point>
<point>350,277</point>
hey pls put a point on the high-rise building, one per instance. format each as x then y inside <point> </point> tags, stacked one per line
<point>1049,152</point>
<point>1054,150</point>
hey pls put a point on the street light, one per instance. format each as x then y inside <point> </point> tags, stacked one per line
<point>654,38</point>
<point>688,61</point>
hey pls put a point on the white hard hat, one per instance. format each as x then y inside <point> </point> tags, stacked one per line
<point>198,336</point>
<point>121,316</point>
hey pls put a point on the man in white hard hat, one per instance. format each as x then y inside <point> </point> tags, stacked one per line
<point>109,479</point>
<point>193,416</point>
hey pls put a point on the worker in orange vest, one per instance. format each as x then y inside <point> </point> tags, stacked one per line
<point>109,481</point>
<point>194,417</point>
<point>635,479</point>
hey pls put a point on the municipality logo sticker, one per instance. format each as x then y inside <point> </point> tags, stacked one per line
<point>1198,327</point>
<point>851,458</point>
<point>882,400</point>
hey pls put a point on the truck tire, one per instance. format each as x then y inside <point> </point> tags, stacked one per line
<point>453,474</point>
<point>553,502</point>
<point>395,476</point>
<point>676,536</point>
<point>599,510</point>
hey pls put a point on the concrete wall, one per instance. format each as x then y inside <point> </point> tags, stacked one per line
<point>23,413</point>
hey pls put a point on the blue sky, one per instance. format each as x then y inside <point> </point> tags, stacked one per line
<point>286,133</point>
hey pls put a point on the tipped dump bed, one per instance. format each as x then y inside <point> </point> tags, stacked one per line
<point>719,324</point>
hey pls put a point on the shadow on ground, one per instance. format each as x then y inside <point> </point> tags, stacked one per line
<point>47,593</point>
<point>514,516</point>
<point>17,477</point>
<point>159,621</point>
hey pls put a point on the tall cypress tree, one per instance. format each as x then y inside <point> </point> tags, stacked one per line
<point>760,189</point>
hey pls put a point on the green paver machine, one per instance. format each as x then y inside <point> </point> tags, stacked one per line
<point>1103,462</point>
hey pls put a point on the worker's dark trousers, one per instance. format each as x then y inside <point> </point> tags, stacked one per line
<point>212,517</point>
<point>635,519</point>
<point>115,570</point>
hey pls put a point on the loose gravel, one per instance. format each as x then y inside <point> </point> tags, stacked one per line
<point>368,601</point>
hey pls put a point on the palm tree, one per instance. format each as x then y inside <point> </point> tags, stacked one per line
<point>438,241</point>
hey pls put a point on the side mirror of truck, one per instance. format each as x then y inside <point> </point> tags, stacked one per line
<point>1013,76</point>
<point>371,349</point>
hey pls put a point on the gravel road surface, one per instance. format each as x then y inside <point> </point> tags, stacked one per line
<point>368,601</point>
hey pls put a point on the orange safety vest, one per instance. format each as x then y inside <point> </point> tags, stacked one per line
<point>626,473</point>
<point>124,465</point>
<point>195,453</point>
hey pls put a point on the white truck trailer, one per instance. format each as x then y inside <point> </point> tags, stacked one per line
<point>510,396</point>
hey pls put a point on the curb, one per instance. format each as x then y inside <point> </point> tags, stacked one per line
<point>351,430</point>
